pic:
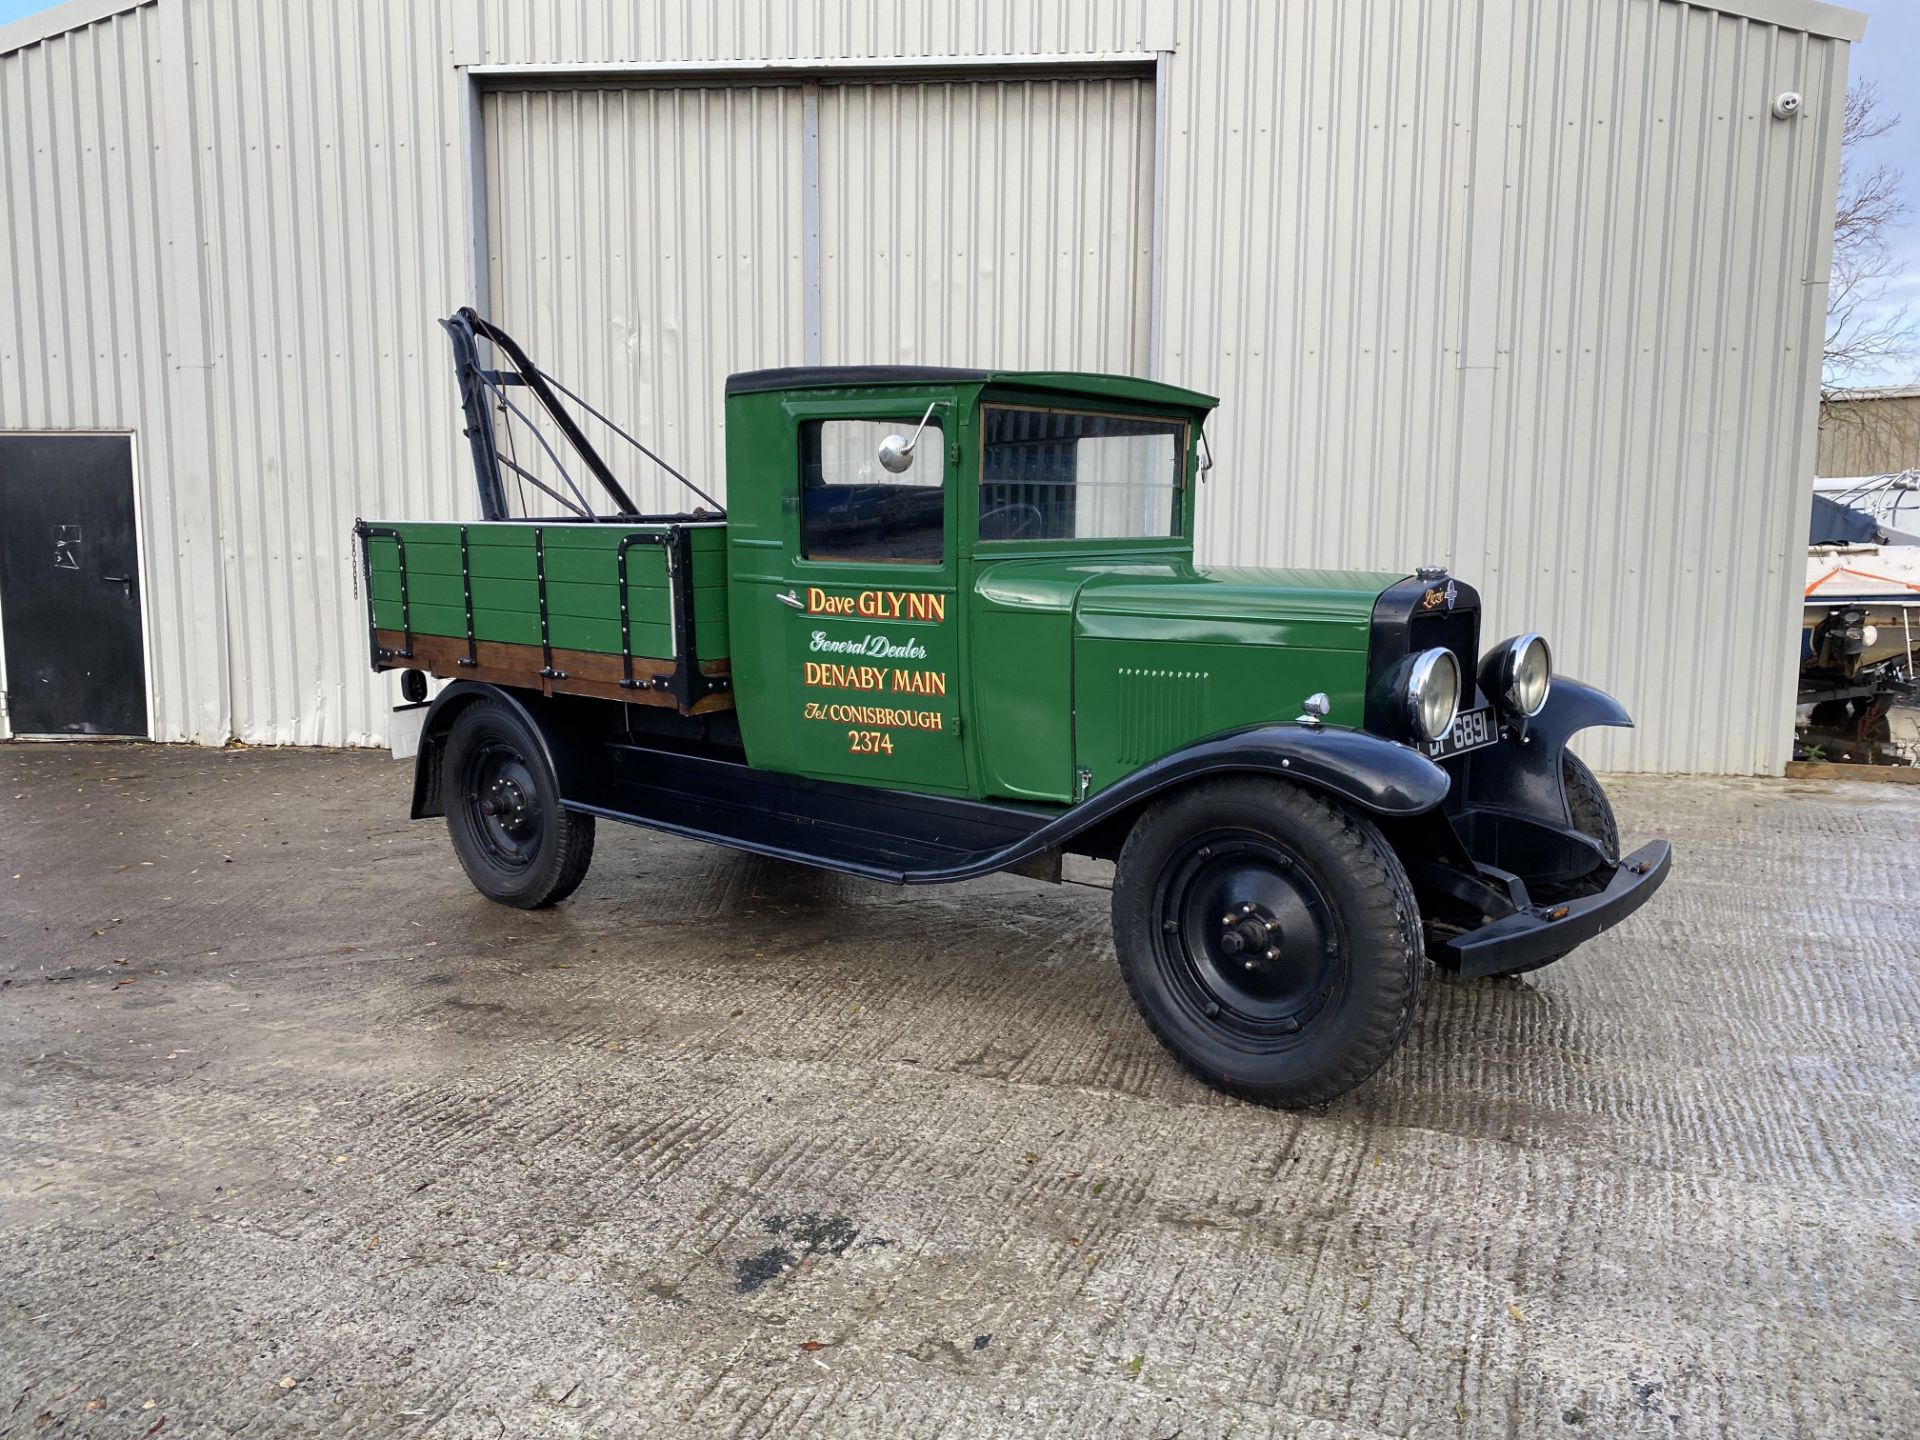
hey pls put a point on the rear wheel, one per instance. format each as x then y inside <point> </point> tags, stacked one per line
<point>515,840</point>
<point>1269,938</point>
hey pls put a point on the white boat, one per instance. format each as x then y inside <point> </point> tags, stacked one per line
<point>1882,583</point>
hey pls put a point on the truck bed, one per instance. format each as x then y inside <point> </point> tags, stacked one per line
<point>635,612</point>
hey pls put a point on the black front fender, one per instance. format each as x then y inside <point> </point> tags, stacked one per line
<point>1526,777</point>
<point>1380,776</point>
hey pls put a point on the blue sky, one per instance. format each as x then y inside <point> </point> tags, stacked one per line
<point>1889,55</point>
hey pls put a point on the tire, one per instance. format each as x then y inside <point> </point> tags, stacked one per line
<point>1591,810</point>
<point>1830,715</point>
<point>1211,874</point>
<point>516,842</point>
<point>1592,816</point>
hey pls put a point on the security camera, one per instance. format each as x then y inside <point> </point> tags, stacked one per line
<point>1786,105</point>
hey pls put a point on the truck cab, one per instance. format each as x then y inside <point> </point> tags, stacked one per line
<point>916,626</point>
<point>949,622</point>
<point>1015,612</point>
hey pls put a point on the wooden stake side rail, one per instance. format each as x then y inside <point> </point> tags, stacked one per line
<point>580,672</point>
<point>684,683</point>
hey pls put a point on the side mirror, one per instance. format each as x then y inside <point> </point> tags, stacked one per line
<point>896,451</point>
<point>896,454</point>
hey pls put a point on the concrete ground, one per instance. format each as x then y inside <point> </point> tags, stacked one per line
<point>300,1137</point>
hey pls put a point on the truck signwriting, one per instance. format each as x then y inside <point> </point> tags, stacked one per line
<point>908,605</point>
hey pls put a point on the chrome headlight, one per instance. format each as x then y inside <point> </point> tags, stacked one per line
<point>1519,673</point>
<point>1433,693</point>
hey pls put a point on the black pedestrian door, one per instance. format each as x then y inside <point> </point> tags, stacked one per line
<point>70,586</point>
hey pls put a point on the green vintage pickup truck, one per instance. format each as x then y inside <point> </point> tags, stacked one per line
<point>949,623</point>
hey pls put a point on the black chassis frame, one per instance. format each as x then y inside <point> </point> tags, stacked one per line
<point>1451,826</point>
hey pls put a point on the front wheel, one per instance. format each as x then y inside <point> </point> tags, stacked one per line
<point>1269,938</point>
<point>515,840</point>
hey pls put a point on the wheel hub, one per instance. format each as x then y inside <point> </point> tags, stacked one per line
<point>505,803</point>
<point>1250,932</point>
<point>503,799</point>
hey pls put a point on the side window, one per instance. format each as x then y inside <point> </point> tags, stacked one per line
<point>853,508</point>
<point>1059,475</point>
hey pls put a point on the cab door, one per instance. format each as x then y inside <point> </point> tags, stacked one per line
<point>867,641</point>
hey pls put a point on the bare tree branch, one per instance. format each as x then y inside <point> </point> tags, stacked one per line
<point>1865,335</point>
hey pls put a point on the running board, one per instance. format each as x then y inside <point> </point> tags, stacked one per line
<point>914,839</point>
<point>889,835</point>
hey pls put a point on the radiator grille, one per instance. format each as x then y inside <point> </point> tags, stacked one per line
<point>1454,630</point>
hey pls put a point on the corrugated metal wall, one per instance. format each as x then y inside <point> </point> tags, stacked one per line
<point>91,330</point>
<point>958,223</point>
<point>1534,290</point>
<point>643,245</point>
<point>1532,287</point>
<point>1006,223</point>
<point>330,217</point>
<point>228,229</point>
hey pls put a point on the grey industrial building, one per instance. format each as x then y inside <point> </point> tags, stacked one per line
<point>1533,290</point>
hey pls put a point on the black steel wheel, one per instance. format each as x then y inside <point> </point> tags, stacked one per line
<point>1592,815</point>
<point>517,843</point>
<point>1269,937</point>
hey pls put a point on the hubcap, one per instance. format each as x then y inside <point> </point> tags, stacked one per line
<point>1248,936</point>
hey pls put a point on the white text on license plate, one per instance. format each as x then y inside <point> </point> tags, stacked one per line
<point>1471,729</point>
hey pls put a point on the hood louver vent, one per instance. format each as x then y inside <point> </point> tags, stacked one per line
<point>1160,710</point>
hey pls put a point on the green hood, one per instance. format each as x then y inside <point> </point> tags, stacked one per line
<point>1322,609</point>
<point>1182,601</point>
<point>1120,586</point>
<point>1125,660</point>
<point>1235,592</point>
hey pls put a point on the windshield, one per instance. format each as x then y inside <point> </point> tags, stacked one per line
<point>1073,475</point>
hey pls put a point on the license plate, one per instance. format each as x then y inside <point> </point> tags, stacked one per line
<point>1471,729</point>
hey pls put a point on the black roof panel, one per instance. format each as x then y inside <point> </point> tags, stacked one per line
<point>1082,385</point>
<point>819,377</point>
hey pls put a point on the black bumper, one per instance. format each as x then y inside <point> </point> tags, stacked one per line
<point>1541,931</point>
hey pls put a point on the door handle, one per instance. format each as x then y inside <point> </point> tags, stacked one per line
<point>125,582</point>
<point>791,601</point>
